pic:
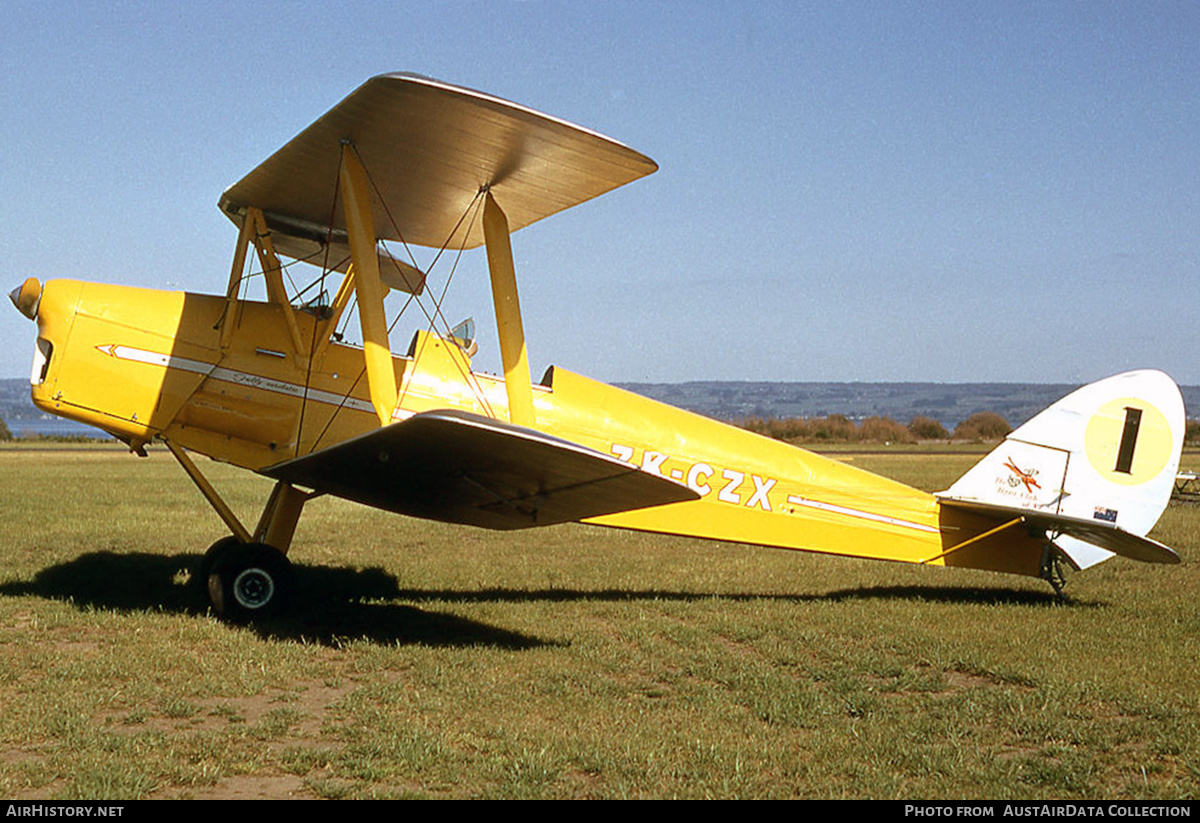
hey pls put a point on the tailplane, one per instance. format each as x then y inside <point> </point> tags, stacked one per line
<point>1095,470</point>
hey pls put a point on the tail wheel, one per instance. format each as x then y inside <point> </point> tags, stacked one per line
<point>250,582</point>
<point>1053,571</point>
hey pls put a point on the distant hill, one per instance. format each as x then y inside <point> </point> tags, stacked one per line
<point>948,403</point>
<point>15,404</point>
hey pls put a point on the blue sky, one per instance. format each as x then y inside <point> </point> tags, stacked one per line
<point>944,191</point>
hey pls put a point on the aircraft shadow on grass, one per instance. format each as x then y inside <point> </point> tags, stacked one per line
<point>339,604</point>
<point>343,603</point>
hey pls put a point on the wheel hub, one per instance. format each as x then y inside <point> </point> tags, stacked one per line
<point>253,588</point>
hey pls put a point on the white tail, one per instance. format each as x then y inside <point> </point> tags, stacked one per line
<point>1096,468</point>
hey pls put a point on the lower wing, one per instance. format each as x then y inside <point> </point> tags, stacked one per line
<point>463,468</point>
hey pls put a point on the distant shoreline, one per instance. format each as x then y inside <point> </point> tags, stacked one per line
<point>948,403</point>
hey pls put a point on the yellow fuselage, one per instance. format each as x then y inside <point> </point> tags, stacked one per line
<point>142,364</point>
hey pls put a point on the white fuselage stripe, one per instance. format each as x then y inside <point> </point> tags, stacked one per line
<point>241,378</point>
<point>878,518</point>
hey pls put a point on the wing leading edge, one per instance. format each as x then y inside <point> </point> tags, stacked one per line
<point>463,468</point>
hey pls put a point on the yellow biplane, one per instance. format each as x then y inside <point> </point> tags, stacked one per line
<point>268,385</point>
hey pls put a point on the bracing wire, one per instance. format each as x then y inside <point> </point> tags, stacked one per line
<point>312,344</point>
<point>473,209</point>
<point>469,376</point>
<point>470,214</point>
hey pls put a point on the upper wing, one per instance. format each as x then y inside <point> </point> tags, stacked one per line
<point>429,148</point>
<point>463,468</point>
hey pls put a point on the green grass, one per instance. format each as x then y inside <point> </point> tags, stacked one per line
<point>436,661</point>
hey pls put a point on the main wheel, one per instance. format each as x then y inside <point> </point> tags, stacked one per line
<point>200,578</point>
<point>249,582</point>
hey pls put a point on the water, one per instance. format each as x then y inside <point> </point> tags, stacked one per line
<point>53,427</point>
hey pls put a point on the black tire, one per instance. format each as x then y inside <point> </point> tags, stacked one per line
<point>250,582</point>
<point>200,578</point>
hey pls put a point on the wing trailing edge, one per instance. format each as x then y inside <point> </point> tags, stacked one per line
<point>463,468</point>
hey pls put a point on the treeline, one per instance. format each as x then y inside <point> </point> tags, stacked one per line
<point>837,428</point>
<point>981,427</point>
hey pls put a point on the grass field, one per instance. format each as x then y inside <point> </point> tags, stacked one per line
<point>569,662</point>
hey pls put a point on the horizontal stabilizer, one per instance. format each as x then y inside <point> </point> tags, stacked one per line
<point>463,468</point>
<point>1107,536</point>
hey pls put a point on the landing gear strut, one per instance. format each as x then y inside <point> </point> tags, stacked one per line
<point>246,576</point>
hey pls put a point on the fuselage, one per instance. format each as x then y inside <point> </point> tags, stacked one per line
<point>145,364</point>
